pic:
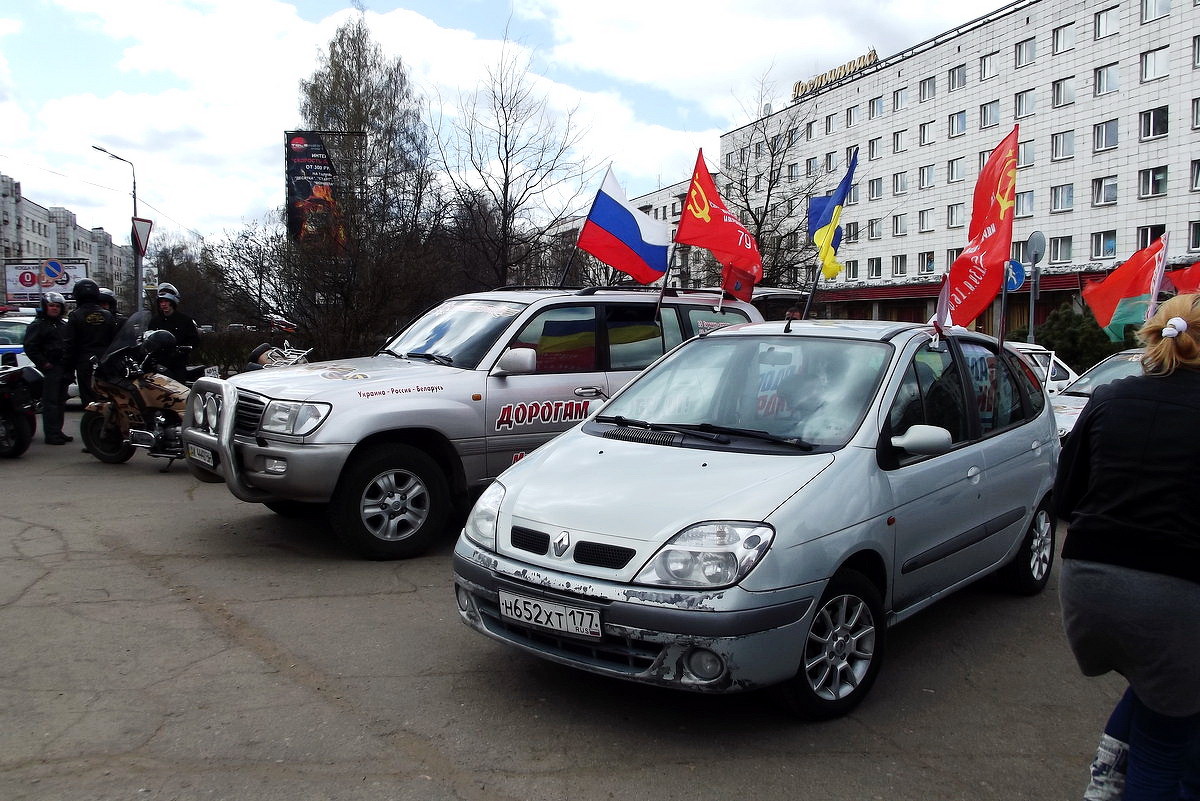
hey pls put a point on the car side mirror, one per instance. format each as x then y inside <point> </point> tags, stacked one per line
<point>516,361</point>
<point>923,440</point>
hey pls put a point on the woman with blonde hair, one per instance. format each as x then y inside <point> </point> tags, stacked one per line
<point>1130,585</point>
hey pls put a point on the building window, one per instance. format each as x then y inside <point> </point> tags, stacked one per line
<point>954,215</point>
<point>1064,38</point>
<point>925,178</point>
<point>900,183</point>
<point>1062,197</point>
<point>957,77</point>
<point>1019,251</point>
<point>988,66</point>
<point>1106,79</point>
<point>874,189</point>
<point>729,159</point>
<point>927,89</point>
<point>1154,64</point>
<point>829,122</point>
<point>899,224</point>
<point>1024,103</point>
<point>875,268</point>
<point>958,124</point>
<point>875,107</point>
<point>851,232</point>
<point>759,148</point>
<point>830,162</point>
<point>900,265</point>
<point>1104,245</point>
<point>852,116</point>
<point>1146,234</point>
<point>873,148</point>
<point>1104,190</point>
<point>1108,22</point>
<point>875,228</point>
<point>852,195</point>
<point>926,133</point>
<point>1195,183</point>
<point>793,172</point>
<point>989,114</point>
<point>899,98</point>
<point>899,144</point>
<point>1060,249</point>
<point>925,262</point>
<point>984,155</point>
<point>1024,204</point>
<point>1153,123</point>
<point>851,266</point>
<point>1025,153</point>
<point>1196,112</point>
<point>1062,145</point>
<point>793,136</point>
<point>1024,52</point>
<point>952,256</point>
<point>925,220</point>
<point>1063,91</point>
<point>1196,52</point>
<point>954,170</point>
<point>1194,235</point>
<point>810,166</point>
<point>1104,135</point>
<point>1155,9</point>
<point>1152,181</point>
<point>810,130</point>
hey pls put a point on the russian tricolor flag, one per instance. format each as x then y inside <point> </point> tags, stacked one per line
<point>624,238</point>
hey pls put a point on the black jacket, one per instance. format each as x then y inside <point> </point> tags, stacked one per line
<point>179,324</point>
<point>90,330</point>
<point>1127,476</point>
<point>44,340</point>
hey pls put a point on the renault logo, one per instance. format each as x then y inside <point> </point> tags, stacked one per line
<point>562,543</point>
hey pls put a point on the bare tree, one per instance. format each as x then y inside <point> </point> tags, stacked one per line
<point>512,167</point>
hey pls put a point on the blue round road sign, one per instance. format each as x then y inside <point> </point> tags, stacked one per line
<point>1014,275</point>
<point>52,268</point>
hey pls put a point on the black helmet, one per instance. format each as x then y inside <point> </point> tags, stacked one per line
<point>87,291</point>
<point>165,289</point>
<point>158,341</point>
<point>109,297</point>
<point>54,297</point>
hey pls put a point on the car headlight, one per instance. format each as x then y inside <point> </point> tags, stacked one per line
<point>715,554</point>
<point>198,411</point>
<point>480,527</point>
<point>293,417</point>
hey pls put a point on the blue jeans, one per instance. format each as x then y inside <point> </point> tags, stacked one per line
<point>1164,751</point>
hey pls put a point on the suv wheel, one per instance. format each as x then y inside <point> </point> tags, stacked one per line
<point>1029,570</point>
<point>843,650</point>
<point>391,503</point>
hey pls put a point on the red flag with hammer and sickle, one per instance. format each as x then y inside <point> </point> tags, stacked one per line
<point>976,275</point>
<point>707,223</point>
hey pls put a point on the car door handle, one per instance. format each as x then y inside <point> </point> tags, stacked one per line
<point>973,474</point>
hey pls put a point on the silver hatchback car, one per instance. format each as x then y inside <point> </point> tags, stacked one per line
<point>762,503</point>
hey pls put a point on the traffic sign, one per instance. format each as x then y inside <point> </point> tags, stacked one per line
<point>1014,275</point>
<point>141,234</point>
<point>52,268</point>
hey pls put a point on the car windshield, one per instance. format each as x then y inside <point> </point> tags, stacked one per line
<point>1121,365</point>
<point>458,332</point>
<point>810,391</point>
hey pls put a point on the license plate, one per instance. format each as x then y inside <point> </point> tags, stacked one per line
<point>212,372</point>
<point>202,455</point>
<point>548,615</point>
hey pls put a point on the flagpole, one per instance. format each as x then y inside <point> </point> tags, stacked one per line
<point>812,290</point>
<point>562,280</point>
<point>1160,265</point>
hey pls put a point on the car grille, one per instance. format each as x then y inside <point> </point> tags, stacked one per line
<point>597,554</point>
<point>248,414</point>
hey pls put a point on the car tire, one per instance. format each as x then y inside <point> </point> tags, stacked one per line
<point>392,502</point>
<point>1029,570</point>
<point>296,509</point>
<point>102,440</point>
<point>843,649</point>
<point>15,435</point>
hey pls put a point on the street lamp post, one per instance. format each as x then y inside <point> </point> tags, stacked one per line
<point>139,291</point>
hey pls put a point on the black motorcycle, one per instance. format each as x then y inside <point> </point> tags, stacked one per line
<point>20,391</point>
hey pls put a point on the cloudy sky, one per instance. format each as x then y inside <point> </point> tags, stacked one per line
<point>197,93</point>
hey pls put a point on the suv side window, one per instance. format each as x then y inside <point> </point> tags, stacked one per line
<point>995,387</point>
<point>634,336</point>
<point>703,319</point>
<point>931,393</point>
<point>564,338</point>
<point>1028,379</point>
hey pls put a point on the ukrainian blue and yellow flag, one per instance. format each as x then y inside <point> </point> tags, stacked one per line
<point>823,216</point>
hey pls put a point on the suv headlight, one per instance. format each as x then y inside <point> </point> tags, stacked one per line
<point>480,527</point>
<point>293,417</point>
<point>710,555</point>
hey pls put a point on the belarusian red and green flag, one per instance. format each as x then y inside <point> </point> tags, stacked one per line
<point>1128,295</point>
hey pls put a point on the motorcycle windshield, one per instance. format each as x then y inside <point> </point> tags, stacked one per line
<point>130,333</point>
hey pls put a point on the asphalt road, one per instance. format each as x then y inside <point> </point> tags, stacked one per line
<point>161,640</point>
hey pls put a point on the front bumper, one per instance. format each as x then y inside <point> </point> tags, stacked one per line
<point>758,637</point>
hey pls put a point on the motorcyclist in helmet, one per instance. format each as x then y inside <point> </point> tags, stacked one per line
<point>90,330</point>
<point>45,348</point>
<point>169,318</point>
<point>108,299</point>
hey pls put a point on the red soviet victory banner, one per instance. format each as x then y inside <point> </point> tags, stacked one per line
<point>977,275</point>
<point>707,223</point>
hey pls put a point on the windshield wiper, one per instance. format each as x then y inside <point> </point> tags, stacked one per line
<point>756,433</point>
<point>433,357</point>
<point>389,352</point>
<point>627,422</point>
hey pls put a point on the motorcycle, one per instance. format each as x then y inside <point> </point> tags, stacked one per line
<point>140,406</point>
<point>20,389</point>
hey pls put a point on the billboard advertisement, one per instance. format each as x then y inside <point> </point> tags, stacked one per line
<point>24,282</point>
<point>313,216</point>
